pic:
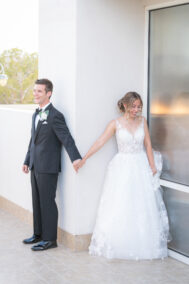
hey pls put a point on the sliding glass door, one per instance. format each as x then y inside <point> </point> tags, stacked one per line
<point>168,110</point>
<point>169,89</point>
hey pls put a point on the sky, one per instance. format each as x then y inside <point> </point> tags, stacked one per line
<point>19,25</point>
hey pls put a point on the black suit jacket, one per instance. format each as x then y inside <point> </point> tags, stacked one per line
<point>44,151</point>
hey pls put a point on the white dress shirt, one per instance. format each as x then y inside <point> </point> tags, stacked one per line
<point>37,118</point>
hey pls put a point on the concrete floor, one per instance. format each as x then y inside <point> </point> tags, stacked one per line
<point>20,265</point>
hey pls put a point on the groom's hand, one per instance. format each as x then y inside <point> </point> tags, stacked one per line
<point>76,165</point>
<point>25,169</point>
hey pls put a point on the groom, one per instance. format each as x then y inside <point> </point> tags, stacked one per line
<point>49,132</point>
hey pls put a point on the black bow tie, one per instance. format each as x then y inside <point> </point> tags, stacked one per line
<point>37,111</point>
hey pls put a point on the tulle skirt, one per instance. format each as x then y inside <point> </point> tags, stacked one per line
<point>132,220</point>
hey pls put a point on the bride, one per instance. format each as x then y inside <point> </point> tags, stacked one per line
<point>132,220</point>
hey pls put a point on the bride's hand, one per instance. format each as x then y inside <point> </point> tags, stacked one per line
<point>154,171</point>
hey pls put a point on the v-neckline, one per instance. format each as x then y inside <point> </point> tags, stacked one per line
<point>125,128</point>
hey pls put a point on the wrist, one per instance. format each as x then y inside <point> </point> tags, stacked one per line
<point>84,159</point>
<point>152,167</point>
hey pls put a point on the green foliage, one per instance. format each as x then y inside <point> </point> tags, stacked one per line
<point>22,71</point>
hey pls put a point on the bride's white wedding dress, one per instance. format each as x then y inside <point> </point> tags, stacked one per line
<point>132,220</point>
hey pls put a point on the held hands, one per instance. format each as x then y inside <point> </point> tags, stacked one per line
<point>77,164</point>
<point>82,162</point>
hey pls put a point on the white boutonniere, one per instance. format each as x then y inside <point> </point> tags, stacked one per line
<point>43,115</point>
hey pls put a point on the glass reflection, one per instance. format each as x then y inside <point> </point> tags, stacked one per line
<point>169,89</point>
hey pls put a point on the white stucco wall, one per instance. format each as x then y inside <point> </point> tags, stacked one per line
<point>57,57</point>
<point>110,54</point>
<point>93,52</point>
<point>96,55</point>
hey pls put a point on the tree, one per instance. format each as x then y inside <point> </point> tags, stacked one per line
<point>22,70</point>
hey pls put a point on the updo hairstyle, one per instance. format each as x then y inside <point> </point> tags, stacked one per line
<point>129,99</point>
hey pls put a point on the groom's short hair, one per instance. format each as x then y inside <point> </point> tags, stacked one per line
<point>48,84</point>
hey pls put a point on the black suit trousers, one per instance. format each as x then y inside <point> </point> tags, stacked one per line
<point>45,213</point>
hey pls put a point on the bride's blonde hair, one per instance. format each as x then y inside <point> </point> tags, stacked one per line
<point>129,99</point>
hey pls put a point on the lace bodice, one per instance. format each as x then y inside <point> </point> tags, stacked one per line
<point>128,142</point>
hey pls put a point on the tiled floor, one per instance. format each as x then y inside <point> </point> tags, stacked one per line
<point>20,265</point>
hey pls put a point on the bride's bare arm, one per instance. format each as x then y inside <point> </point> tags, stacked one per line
<point>108,133</point>
<point>148,146</point>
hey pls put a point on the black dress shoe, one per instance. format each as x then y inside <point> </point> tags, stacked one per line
<point>34,239</point>
<point>43,245</point>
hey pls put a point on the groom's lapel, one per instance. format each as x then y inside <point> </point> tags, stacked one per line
<point>33,124</point>
<point>37,130</point>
